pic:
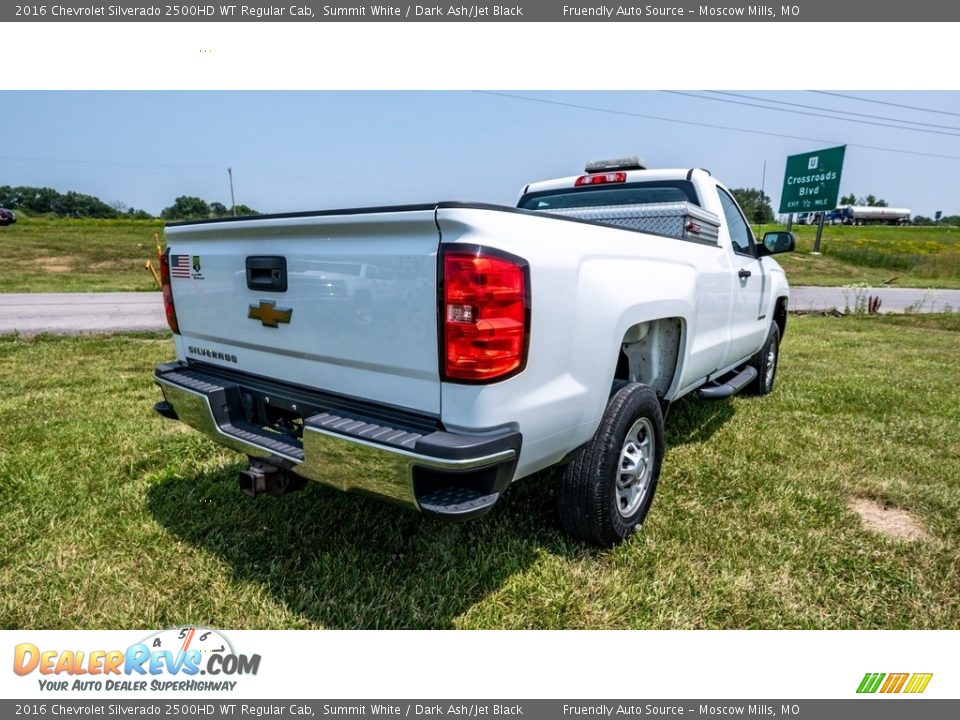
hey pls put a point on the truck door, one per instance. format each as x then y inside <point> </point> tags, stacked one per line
<point>749,284</point>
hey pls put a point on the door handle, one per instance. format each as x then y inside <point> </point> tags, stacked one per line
<point>267,273</point>
<point>744,273</point>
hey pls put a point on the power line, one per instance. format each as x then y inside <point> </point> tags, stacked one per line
<point>731,128</point>
<point>885,102</point>
<point>337,182</point>
<point>106,163</point>
<point>833,110</point>
<point>810,114</point>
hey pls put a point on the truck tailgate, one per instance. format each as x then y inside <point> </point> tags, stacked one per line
<point>357,315</point>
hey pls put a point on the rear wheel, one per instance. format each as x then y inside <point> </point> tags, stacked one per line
<point>605,493</point>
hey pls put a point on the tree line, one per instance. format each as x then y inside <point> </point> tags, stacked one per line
<point>864,200</point>
<point>47,201</point>
<point>187,207</point>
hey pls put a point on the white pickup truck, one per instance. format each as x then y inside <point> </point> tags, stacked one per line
<point>434,354</point>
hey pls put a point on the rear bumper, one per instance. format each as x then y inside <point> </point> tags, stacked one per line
<point>350,445</point>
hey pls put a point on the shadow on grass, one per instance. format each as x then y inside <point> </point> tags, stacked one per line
<point>693,421</point>
<point>349,561</point>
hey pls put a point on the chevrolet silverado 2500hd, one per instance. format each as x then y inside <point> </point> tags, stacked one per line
<point>434,354</point>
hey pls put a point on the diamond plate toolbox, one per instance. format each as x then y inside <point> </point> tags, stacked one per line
<point>682,220</point>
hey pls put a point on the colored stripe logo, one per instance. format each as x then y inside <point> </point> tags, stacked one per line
<point>894,683</point>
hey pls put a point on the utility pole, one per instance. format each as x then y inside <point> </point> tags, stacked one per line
<point>763,184</point>
<point>233,202</point>
<point>816,245</point>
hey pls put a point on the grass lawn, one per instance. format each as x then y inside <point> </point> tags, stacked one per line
<point>113,517</point>
<point>54,255</point>
<point>921,257</point>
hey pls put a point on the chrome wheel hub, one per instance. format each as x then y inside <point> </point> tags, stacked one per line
<point>771,365</point>
<point>637,459</point>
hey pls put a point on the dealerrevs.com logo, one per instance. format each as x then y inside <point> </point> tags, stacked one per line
<point>173,659</point>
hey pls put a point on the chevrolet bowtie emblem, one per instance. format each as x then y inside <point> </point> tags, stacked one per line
<point>269,314</point>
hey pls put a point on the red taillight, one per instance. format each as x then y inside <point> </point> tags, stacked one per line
<point>601,178</point>
<point>484,315</point>
<point>168,291</point>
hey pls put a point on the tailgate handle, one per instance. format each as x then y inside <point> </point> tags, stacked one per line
<point>267,273</point>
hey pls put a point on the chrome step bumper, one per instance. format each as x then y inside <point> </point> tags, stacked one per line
<point>351,451</point>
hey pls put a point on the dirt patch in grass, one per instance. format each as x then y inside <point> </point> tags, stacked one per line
<point>114,264</point>
<point>54,264</point>
<point>889,521</point>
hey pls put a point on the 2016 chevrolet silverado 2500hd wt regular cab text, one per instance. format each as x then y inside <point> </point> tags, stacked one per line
<point>434,354</point>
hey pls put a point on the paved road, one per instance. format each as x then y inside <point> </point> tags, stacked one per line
<point>66,313</point>
<point>891,299</point>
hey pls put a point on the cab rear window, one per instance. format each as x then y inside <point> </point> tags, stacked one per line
<point>642,193</point>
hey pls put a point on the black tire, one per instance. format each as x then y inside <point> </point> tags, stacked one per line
<point>591,501</point>
<point>766,361</point>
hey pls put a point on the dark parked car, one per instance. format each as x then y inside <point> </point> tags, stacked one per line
<point>7,217</point>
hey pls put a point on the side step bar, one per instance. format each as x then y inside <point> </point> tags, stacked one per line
<point>730,387</point>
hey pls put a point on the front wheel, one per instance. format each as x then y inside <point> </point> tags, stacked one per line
<point>765,361</point>
<point>605,493</point>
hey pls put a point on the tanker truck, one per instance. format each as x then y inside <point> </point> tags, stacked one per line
<point>860,214</point>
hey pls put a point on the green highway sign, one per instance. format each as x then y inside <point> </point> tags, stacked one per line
<point>812,181</point>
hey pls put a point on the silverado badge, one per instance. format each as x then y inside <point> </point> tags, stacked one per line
<point>269,314</point>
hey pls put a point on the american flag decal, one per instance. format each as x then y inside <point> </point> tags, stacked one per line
<point>180,266</point>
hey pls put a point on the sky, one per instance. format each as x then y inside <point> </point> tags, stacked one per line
<point>313,150</point>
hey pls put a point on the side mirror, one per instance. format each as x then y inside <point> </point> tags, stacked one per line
<point>776,242</point>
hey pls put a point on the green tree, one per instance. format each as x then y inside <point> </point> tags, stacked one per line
<point>75,204</point>
<point>47,200</point>
<point>921,220</point>
<point>186,207</point>
<point>755,204</point>
<point>868,200</point>
<point>873,201</point>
